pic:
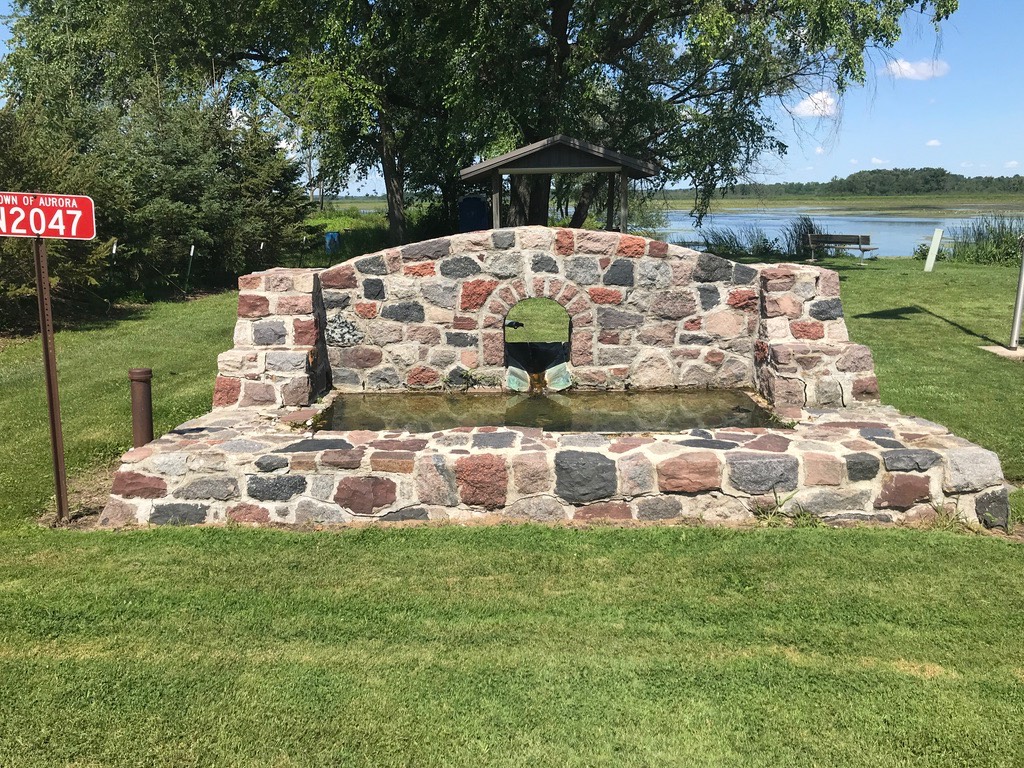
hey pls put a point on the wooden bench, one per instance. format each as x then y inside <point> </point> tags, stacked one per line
<point>861,242</point>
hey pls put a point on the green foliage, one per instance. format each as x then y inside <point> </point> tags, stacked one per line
<point>988,240</point>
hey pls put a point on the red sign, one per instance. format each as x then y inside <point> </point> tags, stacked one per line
<point>54,217</point>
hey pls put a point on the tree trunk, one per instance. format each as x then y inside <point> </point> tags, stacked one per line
<point>519,200</point>
<point>582,210</point>
<point>530,198</point>
<point>609,223</point>
<point>540,199</point>
<point>394,183</point>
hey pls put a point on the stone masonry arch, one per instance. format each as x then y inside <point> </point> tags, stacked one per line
<point>645,315</point>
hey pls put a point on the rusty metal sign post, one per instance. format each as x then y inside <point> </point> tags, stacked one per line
<point>50,367</point>
<point>63,217</point>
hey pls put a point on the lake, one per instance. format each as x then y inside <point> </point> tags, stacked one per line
<point>894,235</point>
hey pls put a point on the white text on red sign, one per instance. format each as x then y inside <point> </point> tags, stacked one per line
<point>50,216</point>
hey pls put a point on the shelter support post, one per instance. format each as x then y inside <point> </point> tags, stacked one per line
<point>496,201</point>
<point>1018,307</point>
<point>623,200</point>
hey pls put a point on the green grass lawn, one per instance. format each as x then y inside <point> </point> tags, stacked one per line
<point>510,645</point>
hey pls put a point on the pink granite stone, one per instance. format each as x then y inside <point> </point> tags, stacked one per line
<point>482,480</point>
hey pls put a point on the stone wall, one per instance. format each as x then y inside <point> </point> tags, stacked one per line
<point>644,315</point>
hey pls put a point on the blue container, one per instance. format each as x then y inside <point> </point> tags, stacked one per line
<point>474,214</point>
<point>332,242</point>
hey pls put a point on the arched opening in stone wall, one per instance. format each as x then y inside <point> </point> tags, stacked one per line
<point>537,333</point>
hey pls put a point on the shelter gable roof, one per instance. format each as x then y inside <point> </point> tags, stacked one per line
<point>560,154</point>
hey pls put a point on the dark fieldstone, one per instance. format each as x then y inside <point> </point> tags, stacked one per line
<point>178,514</point>
<point>459,378</point>
<point>383,378</point>
<point>608,317</point>
<point>709,296</point>
<point>620,273</point>
<point>827,309</point>
<point>503,239</point>
<point>275,487</point>
<point>862,466</point>
<point>719,445</point>
<point>460,339</point>
<point>658,508</point>
<point>712,269</point>
<point>758,473</point>
<point>707,435</point>
<point>886,442</point>
<point>460,266</point>
<point>410,513</point>
<point>270,462</point>
<point>581,476</point>
<point>342,333</point>
<point>336,299</point>
<point>372,266</point>
<point>494,439</point>
<point>544,263</point>
<point>857,517</point>
<point>910,459</point>
<point>743,275</point>
<point>693,339</point>
<point>222,488</point>
<point>429,249</point>
<point>993,508</point>
<point>268,333</point>
<point>404,311</point>
<point>312,445</point>
<point>373,288</point>
<point>870,432</point>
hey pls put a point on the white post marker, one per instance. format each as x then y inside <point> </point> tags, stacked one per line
<point>933,252</point>
<point>1018,307</point>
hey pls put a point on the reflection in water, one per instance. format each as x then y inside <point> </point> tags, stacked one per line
<point>576,412</point>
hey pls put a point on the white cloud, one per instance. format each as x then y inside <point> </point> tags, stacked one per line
<point>819,104</point>
<point>967,165</point>
<point>819,150</point>
<point>854,161</point>
<point>878,161</point>
<point>902,69</point>
<point>933,143</point>
<point>1012,164</point>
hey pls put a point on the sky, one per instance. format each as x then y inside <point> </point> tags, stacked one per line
<point>953,100</point>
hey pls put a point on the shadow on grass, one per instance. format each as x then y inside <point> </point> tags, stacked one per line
<point>906,313</point>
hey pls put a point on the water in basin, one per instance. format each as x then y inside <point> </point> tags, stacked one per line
<point>667,411</point>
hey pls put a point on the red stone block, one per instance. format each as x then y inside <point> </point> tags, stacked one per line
<point>248,513</point>
<point>507,295</point>
<point>582,348</point>
<point>657,249</point>
<point>583,319</point>
<point>400,462</point>
<point>475,294</point>
<point>568,293</point>
<point>579,305</point>
<point>465,323</point>
<point>690,472</point>
<point>305,332</point>
<point>226,391</point>
<point>553,287</point>
<point>422,376</point>
<point>250,282</point>
<point>294,305</point>
<point>538,287</point>
<point>363,495</point>
<point>256,393</point>
<point>497,307</point>
<point>743,298</point>
<point>494,348</point>
<point>865,388</point>
<point>252,305</point>
<point>773,443</point>
<point>807,329</point>
<point>482,480</point>
<point>605,510</point>
<point>423,269</point>
<point>564,242</point>
<point>341,276</point>
<point>822,469</point>
<point>632,247</point>
<point>604,261</point>
<point>605,295</point>
<point>902,491</point>
<point>608,337</point>
<point>367,309</point>
<point>714,357</point>
<point>778,279</point>
<point>342,459</point>
<point>134,485</point>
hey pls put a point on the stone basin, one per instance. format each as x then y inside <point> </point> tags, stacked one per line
<point>644,315</point>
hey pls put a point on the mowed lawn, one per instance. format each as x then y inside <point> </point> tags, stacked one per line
<point>511,645</point>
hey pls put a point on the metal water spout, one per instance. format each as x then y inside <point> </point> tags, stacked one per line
<point>538,382</point>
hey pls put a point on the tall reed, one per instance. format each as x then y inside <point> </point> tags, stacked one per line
<point>988,240</point>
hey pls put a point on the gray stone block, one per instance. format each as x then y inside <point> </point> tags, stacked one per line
<point>336,299</point>
<point>461,339</point>
<point>758,473</point>
<point>862,466</point>
<point>544,263</point>
<point>342,333</point>
<point>275,487</point>
<point>993,508</point>
<point>441,294</point>
<point>658,508</point>
<point>611,318</point>
<point>712,269</point>
<point>268,333</point>
<point>460,266</point>
<point>313,445</point>
<point>827,309</point>
<point>278,360</point>
<point>178,514</point>
<point>270,462</point>
<point>494,439</point>
<point>743,275</point>
<point>506,265</point>
<point>373,289</point>
<point>216,487</point>
<point>581,476</point>
<point>583,270</point>
<point>372,266</point>
<point>503,239</point>
<point>404,312</point>
<point>709,296</point>
<point>383,378</point>
<point>430,249</point>
<point>910,459</point>
<point>620,273</point>
<point>971,469</point>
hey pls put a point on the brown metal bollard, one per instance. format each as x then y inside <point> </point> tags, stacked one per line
<point>142,405</point>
